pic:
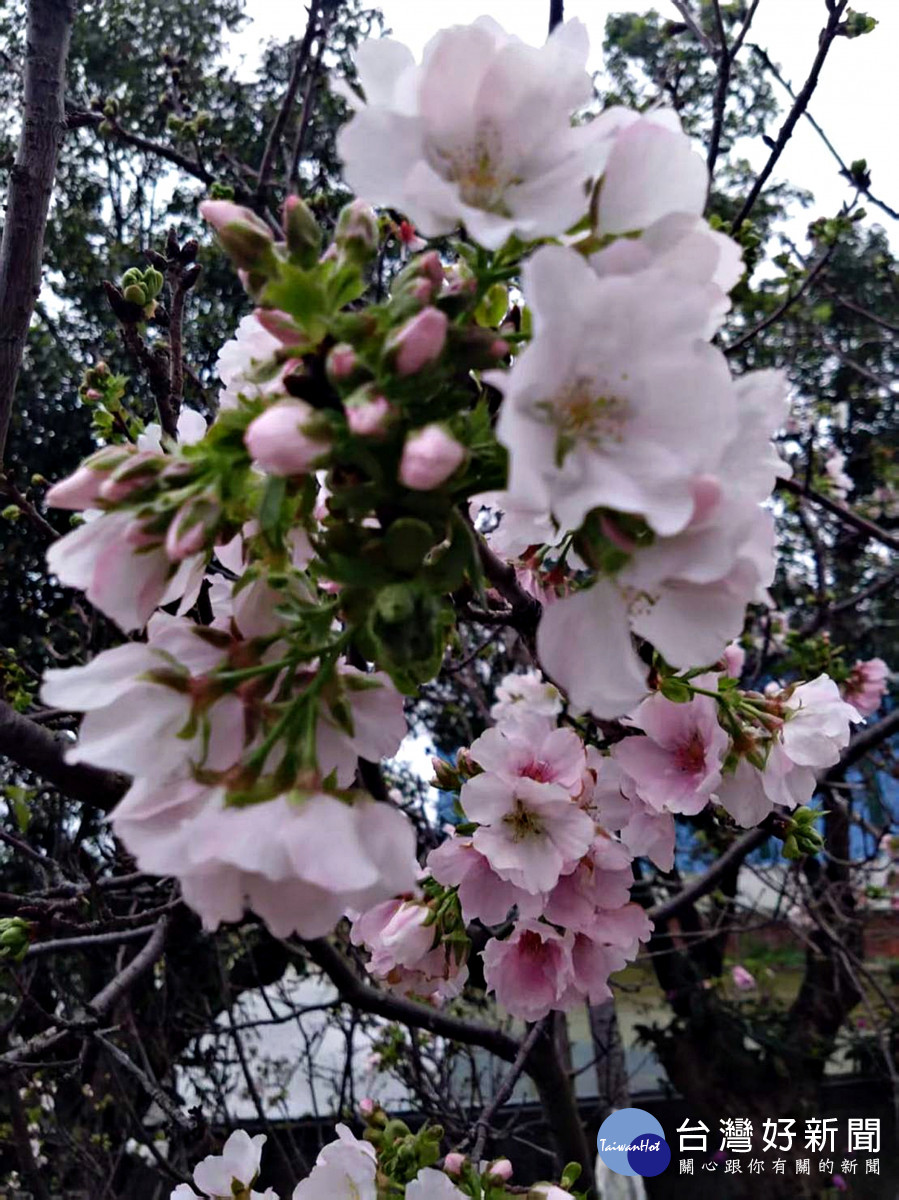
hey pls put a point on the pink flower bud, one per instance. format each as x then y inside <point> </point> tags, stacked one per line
<point>734,659</point>
<point>501,1170</point>
<point>430,456</point>
<point>419,342</point>
<point>77,491</point>
<point>246,238</point>
<point>130,476</point>
<point>341,362</point>
<point>286,439</point>
<point>367,413</point>
<point>367,1106</point>
<point>280,325</point>
<point>191,528</point>
<point>93,394</point>
<point>742,978</point>
<point>453,1163</point>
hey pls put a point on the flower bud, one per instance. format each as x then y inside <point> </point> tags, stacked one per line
<point>430,456</point>
<point>357,232</point>
<point>446,776</point>
<point>247,239</point>
<point>280,325</point>
<point>367,412</point>
<point>15,937</point>
<point>418,343</point>
<point>82,489</point>
<point>192,528</point>
<point>453,1163</point>
<point>287,439</point>
<point>131,475</point>
<point>734,660</point>
<point>304,236</point>
<point>501,1170</point>
<point>342,362</point>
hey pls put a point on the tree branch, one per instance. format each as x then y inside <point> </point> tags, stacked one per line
<point>825,41</point>
<point>846,515</point>
<point>298,67</point>
<point>786,305</point>
<point>30,188</point>
<point>32,746</point>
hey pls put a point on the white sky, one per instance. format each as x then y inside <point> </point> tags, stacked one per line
<point>856,100</point>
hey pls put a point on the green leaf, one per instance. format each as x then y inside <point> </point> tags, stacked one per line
<point>676,690</point>
<point>493,306</point>
<point>270,508</point>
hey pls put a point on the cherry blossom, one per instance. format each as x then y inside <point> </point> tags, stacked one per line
<point>817,723</point>
<point>527,830</point>
<point>299,861</point>
<point>867,685</point>
<point>532,748</point>
<point>742,978</point>
<point>237,1164</point>
<point>344,1170</point>
<point>429,1184</point>
<point>595,409</point>
<point>676,766</point>
<point>287,439</point>
<point>525,692</point>
<point>531,970</point>
<point>479,133</point>
<point>483,894</point>
<point>241,358</point>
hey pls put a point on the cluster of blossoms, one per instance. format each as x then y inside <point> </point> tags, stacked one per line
<point>550,828</point>
<point>298,566</point>
<point>391,1160</point>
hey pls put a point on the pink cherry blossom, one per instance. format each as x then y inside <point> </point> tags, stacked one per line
<point>580,895</point>
<point>677,766</point>
<point>742,978</point>
<point>483,895</point>
<point>532,748</point>
<point>817,723</point>
<point>395,933</point>
<point>867,685</point>
<point>528,831</point>
<point>375,710</point>
<point>430,456</point>
<point>531,970</point>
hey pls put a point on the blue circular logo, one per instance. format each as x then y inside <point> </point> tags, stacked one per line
<point>632,1142</point>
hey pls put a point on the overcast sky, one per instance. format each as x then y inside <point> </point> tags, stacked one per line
<point>856,100</point>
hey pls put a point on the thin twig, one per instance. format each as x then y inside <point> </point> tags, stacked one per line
<point>505,1089</point>
<point>150,1086</point>
<point>786,305</point>
<point>846,515</point>
<point>828,33</point>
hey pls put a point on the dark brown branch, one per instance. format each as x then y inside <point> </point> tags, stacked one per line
<point>150,1086</point>
<point>99,1006</point>
<point>846,515</point>
<point>35,748</point>
<point>683,7</point>
<point>825,41</point>
<point>26,508</point>
<point>78,120</point>
<point>844,302</point>
<point>845,171</point>
<point>504,1091</point>
<point>556,13</point>
<point>30,188</point>
<point>860,369</point>
<point>542,1064</point>
<point>298,68</point>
